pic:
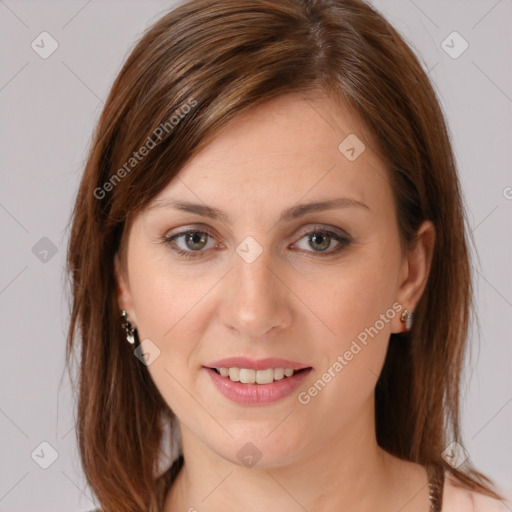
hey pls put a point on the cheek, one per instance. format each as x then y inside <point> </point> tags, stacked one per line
<point>173,311</point>
<point>356,303</point>
<point>353,297</point>
<point>166,298</point>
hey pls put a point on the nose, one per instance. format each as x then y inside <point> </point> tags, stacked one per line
<point>256,299</point>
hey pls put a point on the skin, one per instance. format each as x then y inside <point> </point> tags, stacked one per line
<point>294,301</point>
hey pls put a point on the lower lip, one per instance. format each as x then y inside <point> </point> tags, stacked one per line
<point>253,394</point>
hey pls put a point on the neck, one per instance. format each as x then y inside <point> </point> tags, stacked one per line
<point>350,472</point>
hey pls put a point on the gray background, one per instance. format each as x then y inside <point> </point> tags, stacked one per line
<point>48,110</point>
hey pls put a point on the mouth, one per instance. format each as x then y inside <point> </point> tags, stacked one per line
<point>250,382</point>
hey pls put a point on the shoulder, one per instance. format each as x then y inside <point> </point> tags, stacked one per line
<point>458,499</point>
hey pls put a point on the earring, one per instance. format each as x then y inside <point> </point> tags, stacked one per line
<point>407,319</point>
<point>131,331</point>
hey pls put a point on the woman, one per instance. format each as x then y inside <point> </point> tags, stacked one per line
<point>268,257</point>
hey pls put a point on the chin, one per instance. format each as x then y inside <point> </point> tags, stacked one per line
<point>260,451</point>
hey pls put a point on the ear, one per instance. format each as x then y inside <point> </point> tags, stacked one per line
<point>414,273</point>
<point>124,296</point>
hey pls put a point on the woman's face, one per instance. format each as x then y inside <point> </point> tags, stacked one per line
<point>270,277</point>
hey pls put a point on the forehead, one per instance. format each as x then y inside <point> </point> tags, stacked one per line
<point>288,148</point>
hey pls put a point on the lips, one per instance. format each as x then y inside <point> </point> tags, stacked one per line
<point>245,381</point>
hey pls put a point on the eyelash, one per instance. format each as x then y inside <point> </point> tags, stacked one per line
<point>344,242</point>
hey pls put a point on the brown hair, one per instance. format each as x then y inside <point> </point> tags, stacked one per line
<point>221,58</point>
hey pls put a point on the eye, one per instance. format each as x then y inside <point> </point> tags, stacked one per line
<point>321,239</point>
<point>192,240</point>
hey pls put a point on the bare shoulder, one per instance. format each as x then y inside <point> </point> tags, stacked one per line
<point>460,499</point>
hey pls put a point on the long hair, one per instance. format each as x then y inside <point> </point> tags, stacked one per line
<point>196,69</point>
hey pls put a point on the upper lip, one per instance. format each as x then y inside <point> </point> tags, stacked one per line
<point>259,364</point>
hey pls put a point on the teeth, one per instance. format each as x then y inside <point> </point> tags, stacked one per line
<point>234,374</point>
<point>264,376</point>
<point>249,376</point>
<point>278,373</point>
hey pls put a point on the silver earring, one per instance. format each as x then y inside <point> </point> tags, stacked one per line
<point>131,331</point>
<point>407,319</point>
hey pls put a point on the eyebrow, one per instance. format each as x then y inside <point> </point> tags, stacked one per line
<point>288,215</point>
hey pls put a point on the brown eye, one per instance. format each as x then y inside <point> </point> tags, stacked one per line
<point>321,240</point>
<point>196,241</point>
<point>190,243</point>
